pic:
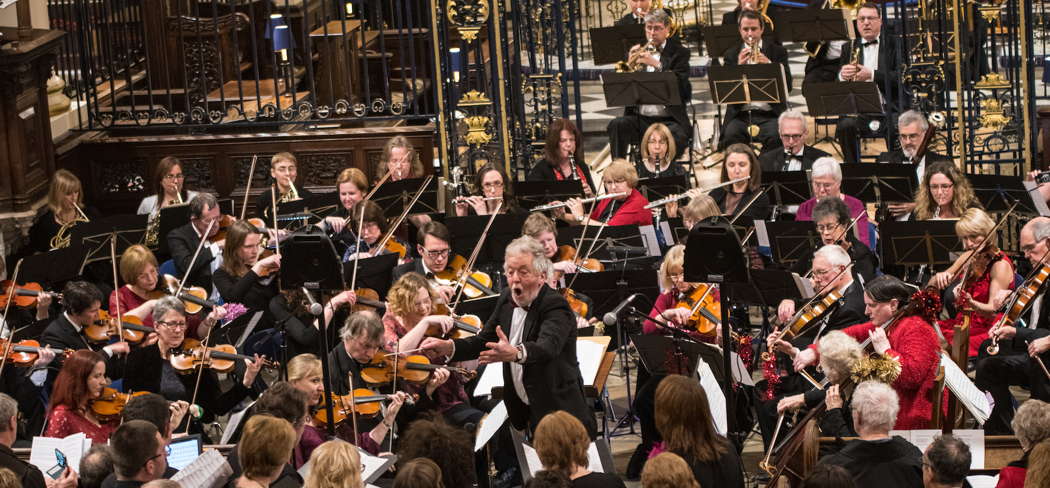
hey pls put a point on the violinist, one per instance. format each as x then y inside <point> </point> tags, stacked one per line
<point>65,208</point>
<point>907,339</point>
<point>352,185</point>
<point>741,162</point>
<point>80,380</point>
<point>826,182</point>
<point>831,218</point>
<point>988,273</point>
<point>244,277</point>
<point>81,302</point>
<point>627,209</point>
<point>830,274</point>
<point>373,228</point>
<point>435,248</point>
<point>183,242</point>
<point>138,269</point>
<point>658,153</point>
<point>283,172</point>
<point>168,187</point>
<point>563,157</point>
<point>494,189</point>
<point>150,368</point>
<point>944,193</point>
<point>541,228</point>
<point>291,313</point>
<point>1030,333</point>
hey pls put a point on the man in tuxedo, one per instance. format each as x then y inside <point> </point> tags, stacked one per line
<point>81,302</point>
<point>1013,365</point>
<point>870,58</point>
<point>672,56</point>
<point>639,9</point>
<point>435,249</point>
<point>183,242</point>
<point>532,331</point>
<point>739,118</point>
<point>796,155</point>
<point>911,130</point>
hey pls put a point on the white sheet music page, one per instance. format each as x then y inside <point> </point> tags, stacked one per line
<point>715,398</point>
<point>960,385</point>
<point>490,424</point>
<point>47,451</point>
<point>210,470</point>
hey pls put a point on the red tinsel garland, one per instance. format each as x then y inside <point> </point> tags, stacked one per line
<point>743,349</point>
<point>772,376</point>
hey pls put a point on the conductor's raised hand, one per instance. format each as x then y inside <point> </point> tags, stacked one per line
<point>499,352</point>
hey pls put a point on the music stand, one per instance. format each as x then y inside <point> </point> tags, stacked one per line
<point>95,235</point>
<point>749,83</point>
<point>54,268</point>
<point>770,287</point>
<point>879,182</point>
<point>787,241</point>
<point>787,187</point>
<point>997,193</point>
<point>839,98</point>
<point>372,273</point>
<point>657,188</point>
<point>315,206</point>
<point>663,355</point>
<point>171,218</point>
<point>719,38</point>
<point>806,25</point>
<point>393,196</point>
<point>612,235</point>
<point>641,88</point>
<point>483,307</point>
<point>611,44</point>
<point>911,243</point>
<point>467,231</point>
<point>678,229</point>
<point>532,194</point>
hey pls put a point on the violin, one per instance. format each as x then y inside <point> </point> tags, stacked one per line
<point>222,358</point>
<point>362,402</point>
<point>224,223</point>
<point>477,283</point>
<point>105,327</point>
<point>463,326</point>
<point>705,308</point>
<point>568,253</point>
<point>1021,298</point>
<point>579,307</point>
<point>367,299</point>
<point>25,296</point>
<point>110,405</point>
<point>25,353</point>
<point>814,310</point>
<point>194,298</point>
<point>413,369</point>
<point>394,247</point>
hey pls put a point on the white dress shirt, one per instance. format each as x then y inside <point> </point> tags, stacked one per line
<point>517,329</point>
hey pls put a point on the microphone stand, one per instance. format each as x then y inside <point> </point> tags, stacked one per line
<point>629,416</point>
<point>677,334</point>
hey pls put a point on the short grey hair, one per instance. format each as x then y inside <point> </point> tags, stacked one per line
<point>913,117</point>
<point>658,15</point>
<point>366,324</point>
<point>1031,423</point>
<point>838,353</point>
<point>8,409</point>
<point>528,245</point>
<point>164,305</point>
<point>200,202</point>
<point>791,115</point>
<point>826,166</point>
<point>834,254</point>
<point>1040,228</point>
<point>876,404</point>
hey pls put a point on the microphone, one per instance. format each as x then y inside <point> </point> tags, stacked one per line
<point>626,250</point>
<point>315,308</point>
<point>611,318</point>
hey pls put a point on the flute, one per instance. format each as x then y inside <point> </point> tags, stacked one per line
<point>552,206</point>
<point>674,198</point>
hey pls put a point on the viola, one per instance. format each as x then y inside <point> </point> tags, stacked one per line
<point>362,402</point>
<point>225,221</point>
<point>579,307</point>
<point>393,247</point>
<point>815,309</point>
<point>25,296</point>
<point>413,369</point>
<point>110,405</point>
<point>568,253</point>
<point>1021,298</point>
<point>476,284</point>
<point>705,308</point>
<point>222,357</point>
<point>367,299</point>
<point>463,326</point>
<point>194,298</point>
<point>25,353</point>
<point>105,327</point>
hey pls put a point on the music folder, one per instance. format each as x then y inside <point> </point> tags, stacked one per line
<point>611,44</point>
<point>641,88</point>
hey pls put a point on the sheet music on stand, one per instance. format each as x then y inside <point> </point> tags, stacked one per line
<point>807,25</point>
<point>997,193</point>
<point>611,235</point>
<point>54,268</point>
<point>611,44</point>
<point>787,241</point>
<point>748,83</point>
<point>968,394</point>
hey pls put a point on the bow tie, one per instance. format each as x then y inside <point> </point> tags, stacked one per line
<point>790,155</point>
<point>869,43</point>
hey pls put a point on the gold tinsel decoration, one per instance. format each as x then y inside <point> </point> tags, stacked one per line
<point>875,367</point>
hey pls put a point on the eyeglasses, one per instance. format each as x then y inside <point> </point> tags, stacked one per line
<point>944,187</point>
<point>436,253</point>
<point>791,136</point>
<point>827,227</point>
<point>822,272</point>
<point>174,177</point>
<point>493,184</point>
<point>173,325</point>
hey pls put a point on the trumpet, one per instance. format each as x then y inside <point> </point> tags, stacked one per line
<point>552,206</point>
<point>61,239</point>
<point>855,61</point>
<point>633,62</point>
<point>674,198</point>
<point>754,51</point>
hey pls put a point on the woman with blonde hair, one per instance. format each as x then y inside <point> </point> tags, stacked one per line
<point>419,473</point>
<point>627,209</point>
<point>699,208</point>
<point>561,442</point>
<point>944,193</point>
<point>335,464</point>
<point>668,470</point>
<point>65,207</point>
<point>684,420</point>
<point>658,152</point>
<point>264,450</point>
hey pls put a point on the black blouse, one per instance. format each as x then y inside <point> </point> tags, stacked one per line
<point>758,210</point>
<point>544,171</point>
<point>673,169</point>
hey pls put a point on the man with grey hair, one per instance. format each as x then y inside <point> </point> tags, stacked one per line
<point>796,155</point>
<point>911,131</point>
<point>533,331</point>
<point>1018,341</point>
<point>27,474</point>
<point>183,241</point>
<point>946,462</point>
<point>875,459</point>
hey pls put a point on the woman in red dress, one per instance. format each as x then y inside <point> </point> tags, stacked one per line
<point>80,381</point>
<point>627,209</point>
<point>988,273</point>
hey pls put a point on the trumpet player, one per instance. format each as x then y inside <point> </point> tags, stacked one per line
<point>660,53</point>
<point>1019,343</point>
<point>639,9</point>
<point>283,171</point>
<point>754,122</point>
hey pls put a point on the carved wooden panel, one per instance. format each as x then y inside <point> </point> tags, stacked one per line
<point>198,173</point>
<point>320,169</point>
<point>123,177</point>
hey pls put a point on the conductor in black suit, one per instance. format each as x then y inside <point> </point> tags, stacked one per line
<point>795,155</point>
<point>669,55</point>
<point>183,241</point>
<point>532,331</point>
<point>740,117</point>
<point>871,57</point>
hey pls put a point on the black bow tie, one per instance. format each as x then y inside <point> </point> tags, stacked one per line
<point>869,43</point>
<point>790,155</point>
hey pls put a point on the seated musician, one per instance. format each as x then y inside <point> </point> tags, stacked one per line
<point>400,159</point>
<point>796,155</point>
<point>627,209</point>
<point>541,228</point>
<point>81,302</point>
<point>946,462</point>
<point>80,381</point>
<point>699,208</point>
<point>138,269</point>
<point>668,55</point>
<point>184,240</point>
<point>866,59</point>
<point>1042,186</point>
<point>911,342</point>
<point>168,187</point>
<point>839,355</point>
<point>563,157</point>
<point>944,193</point>
<point>304,373</point>
<point>876,459</point>
<point>639,9</point>
<point>831,217</point>
<point>352,185</point>
<point>731,17</point>
<point>988,273</point>
<point>911,130</point>
<point>740,120</point>
<point>1029,333</point>
<point>658,149</point>
<point>435,248</point>
<point>494,189</point>
<point>291,313</point>
<point>373,228</point>
<point>826,182</point>
<point>244,278</point>
<point>65,207</point>
<point>283,172</point>
<point>740,162</point>
<point>150,368</point>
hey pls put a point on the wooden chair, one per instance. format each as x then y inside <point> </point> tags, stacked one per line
<point>936,397</point>
<point>959,351</point>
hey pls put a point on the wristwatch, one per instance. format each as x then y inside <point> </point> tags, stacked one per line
<point>521,354</point>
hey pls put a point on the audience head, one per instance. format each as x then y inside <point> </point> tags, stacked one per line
<point>546,478</point>
<point>8,479</point>
<point>740,161</point>
<point>286,402</point>
<point>95,466</point>
<point>400,159</point>
<point>168,178</point>
<point>352,185</point>
<point>139,451</point>
<point>450,448</point>
<point>8,420</point>
<point>838,353</point>
<point>561,442</point>
<point>540,227</point>
<point>883,296</point>
<point>1038,473</point>
<point>1031,423</point>
<point>875,406</point>
<point>563,139</point>
<point>434,245</point>
<point>162,483</point>
<point>81,301</point>
<point>284,169</point>
<point>65,190</point>
<point>829,267</point>
<point>362,335</point>
<point>973,227</point>
<point>335,464</point>
<point>946,462</point>
<point>304,373</point>
<point>659,144</point>
<point>668,470</point>
<point>828,476</point>
<point>792,128</point>
<point>831,217</point>
<point>869,21</point>
<point>826,178</point>
<point>527,268</point>
<point>266,446</point>
<point>152,408</point>
<point>204,211</point>
<point>684,419</point>
<point>1035,240</point>
<point>620,177</point>
<point>410,297</point>
<point>81,379</point>
<point>419,473</point>
<point>698,210</point>
<point>138,267</point>
<point>944,191</point>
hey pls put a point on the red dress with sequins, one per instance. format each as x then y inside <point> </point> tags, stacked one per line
<point>980,323</point>
<point>64,422</point>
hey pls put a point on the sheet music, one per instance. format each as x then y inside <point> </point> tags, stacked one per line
<point>715,398</point>
<point>183,453</point>
<point>532,458</point>
<point>652,245</point>
<point>231,426</point>
<point>490,424</point>
<point>975,439</point>
<point>1037,199</point>
<point>960,385</point>
<point>588,353</point>
<point>665,227</point>
<point>45,452</point>
<point>805,287</point>
<point>372,467</point>
<point>983,481</point>
<point>762,234</point>
<point>210,470</point>
<point>490,378</point>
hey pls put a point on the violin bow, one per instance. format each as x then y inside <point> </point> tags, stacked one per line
<point>819,294</point>
<point>404,214</point>
<point>248,187</point>
<point>8,329</point>
<point>116,286</point>
<point>964,270</point>
<point>357,246</point>
<point>590,248</point>
<point>750,202</point>
<point>369,195</point>
<point>465,272</point>
<point>193,261</point>
<point>353,402</point>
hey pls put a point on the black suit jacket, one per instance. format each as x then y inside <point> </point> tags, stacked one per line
<point>551,374</point>
<point>675,58</point>
<point>849,311</point>
<point>887,74</point>
<point>182,242</point>
<point>60,334</point>
<point>1025,334</point>
<point>875,464</point>
<point>776,54</point>
<point>773,160</point>
<point>27,474</point>
<point>403,269</point>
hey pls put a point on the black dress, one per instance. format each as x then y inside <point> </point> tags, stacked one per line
<point>673,169</point>
<point>724,473</point>
<point>758,210</point>
<point>544,171</point>
<point>598,480</point>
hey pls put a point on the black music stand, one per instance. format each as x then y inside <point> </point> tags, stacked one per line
<point>372,273</point>
<point>787,187</point>
<point>307,210</point>
<point>171,218</point>
<point>531,194</point>
<point>663,355</point>
<point>678,229</point>
<point>770,287</point>
<point>749,83</point>
<point>879,183</point>
<point>718,39</point>
<point>483,307</point>
<point>54,268</point>
<point>467,231</point>
<point>788,241</point>
<point>838,98</point>
<point>641,88</point>
<point>611,44</point>
<point>997,193</point>
<point>657,188</point>
<point>912,243</point>
<point>95,235</point>
<point>806,25</point>
<point>394,196</point>
<point>611,235</point>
